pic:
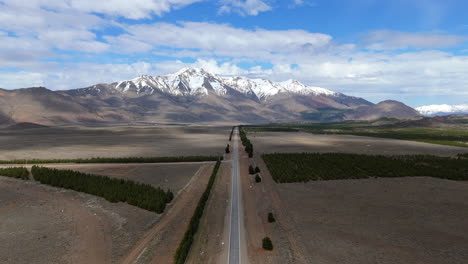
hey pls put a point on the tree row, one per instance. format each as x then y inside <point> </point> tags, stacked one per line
<point>141,195</point>
<point>303,167</point>
<point>15,172</point>
<point>246,142</point>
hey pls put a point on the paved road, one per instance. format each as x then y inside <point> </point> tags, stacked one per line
<point>234,255</point>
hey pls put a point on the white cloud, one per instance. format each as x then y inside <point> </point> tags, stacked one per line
<point>224,40</point>
<point>72,39</point>
<point>388,40</point>
<point>247,7</point>
<point>21,79</point>
<point>135,9</point>
<point>47,29</point>
<point>127,44</point>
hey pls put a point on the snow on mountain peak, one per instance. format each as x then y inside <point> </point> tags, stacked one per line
<point>197,81</point>
<point>429,110</point>
<point>295,86</point>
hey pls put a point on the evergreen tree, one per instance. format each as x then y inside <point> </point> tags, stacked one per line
<point>251,170</point>
<point>15,172</point>
<point>267,244</point>
<point>271,218</point>
<point>258,178</point>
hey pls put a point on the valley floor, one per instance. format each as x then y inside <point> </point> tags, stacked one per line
<point>385,220</point>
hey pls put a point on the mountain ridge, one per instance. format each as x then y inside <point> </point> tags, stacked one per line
<point>189,95</point>
<point>196,81</point>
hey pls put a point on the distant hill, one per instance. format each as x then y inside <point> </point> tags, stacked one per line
<point>191,95</point>
<point>387,108</point>
<point>24,125</point>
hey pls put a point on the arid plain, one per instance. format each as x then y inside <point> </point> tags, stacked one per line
<point>383,220</point>
<point>53,225</point>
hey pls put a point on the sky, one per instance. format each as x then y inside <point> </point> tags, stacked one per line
<point>414,51</point>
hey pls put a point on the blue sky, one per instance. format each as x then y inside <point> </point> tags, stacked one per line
<point>415,51</point>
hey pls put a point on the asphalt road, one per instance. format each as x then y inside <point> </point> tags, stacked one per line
<point>234,255</point>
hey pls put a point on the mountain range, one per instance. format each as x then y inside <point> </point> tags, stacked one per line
<point>191,95</point>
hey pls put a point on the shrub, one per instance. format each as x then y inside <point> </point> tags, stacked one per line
<point>267,244</point>
<point>257,169</point>
<point>251,170</point>
<point>271,218</point>
<point>15,172</point>
<point>141,195</point>
<point>258,178</point>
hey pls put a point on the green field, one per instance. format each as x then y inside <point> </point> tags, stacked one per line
<point>303,167</point>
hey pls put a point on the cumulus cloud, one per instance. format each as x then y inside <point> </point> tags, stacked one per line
<point>135,9</point>
<point>247,7</point>
<point>224,40</point>
<point>21,79</point>
<point>391,40</point>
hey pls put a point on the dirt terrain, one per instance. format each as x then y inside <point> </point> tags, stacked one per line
<point>268,142</point>
<point>160,243</point>
<point>402,220</point>
<point>211,240</point>
<point>42,224</point>
<point>259,200</point>
<point>399,220</point>
<point>52,225</point>
<point>87,142</point>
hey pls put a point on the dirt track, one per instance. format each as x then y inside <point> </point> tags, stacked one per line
<point>160,243</point>
<point>211,241</point>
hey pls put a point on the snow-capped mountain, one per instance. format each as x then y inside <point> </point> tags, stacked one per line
<point>190,95</point>
<point>198,82</point>
<point>443,109</point>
